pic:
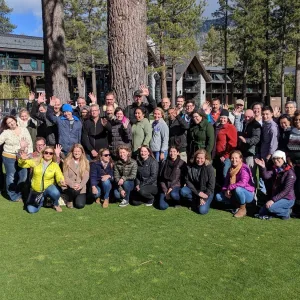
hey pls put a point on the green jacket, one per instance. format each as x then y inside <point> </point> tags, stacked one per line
<point>141,134</point>
<point>201,136</point>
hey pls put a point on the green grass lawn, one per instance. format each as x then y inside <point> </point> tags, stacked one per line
<point>143,253</point>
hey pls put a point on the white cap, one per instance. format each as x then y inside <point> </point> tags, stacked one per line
<point>280,154</point>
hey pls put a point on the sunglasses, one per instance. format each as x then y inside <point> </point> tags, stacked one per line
<point>48,153</point>
<point>106,155</point>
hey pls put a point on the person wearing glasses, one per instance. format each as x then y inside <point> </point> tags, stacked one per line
<point>46,174</point>
<point>238,114</point>
<point>101,177</point>
<point>283,179</point>
<point>138,103</point>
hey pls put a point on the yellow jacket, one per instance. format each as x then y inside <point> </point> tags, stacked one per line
<point>53,173</point>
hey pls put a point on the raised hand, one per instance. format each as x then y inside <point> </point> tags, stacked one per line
<point>104,122</point>
<point>276,111</point>
<point>125,124</point>
<point>145,90</point>
<point>260,162</point>
<point>52,101</point>
<point>57,150</point>
<point>225,106</point>
<point>93,98</point>
<point>31,96</point>
<point>41,98</point>
<point>23,143</point>
<point>24,155</point>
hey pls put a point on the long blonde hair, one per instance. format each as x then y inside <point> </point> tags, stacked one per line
<point>84,165</point>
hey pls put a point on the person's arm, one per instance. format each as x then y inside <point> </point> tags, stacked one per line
<point>211,182</point>
<point>27,136</point>
<point>183,124</point>
<point>226,182</point>
<point>133,171</point>
<point>148,133</point>
<point>3,137</point>
<point>210,139</point>
<point>50,114</point>
<point>165,138</point>
<point>117,174</point>
<point>26,163</point>
<point>85,137</point>
<point>93,174</point>
<point>151,103</point>
<point>274,140</point>
<point>190,185</point>
<point>231,141</point>
<point>58,175</point>
<point>79,132</point>
<point>153,174</point>
<point>245,178</point>
<point>288,186</point>
<point>84,179</point>
<point>266,174</point>
<point>68,182</point>
<point>255,139</point>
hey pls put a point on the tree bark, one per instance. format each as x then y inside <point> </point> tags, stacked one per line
<point>80,84</point>
<point>163,78</point>
<point>297,75</point>
<point>94,79</point>
<point>173,85</point>
<point>263,83</point>
<point>127,47</point>
<point>56,74</point>
<point>245,70</point>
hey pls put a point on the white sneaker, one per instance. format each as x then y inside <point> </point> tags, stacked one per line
<point>124,203</point>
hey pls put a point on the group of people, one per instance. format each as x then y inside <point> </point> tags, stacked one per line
<point>183,155</point>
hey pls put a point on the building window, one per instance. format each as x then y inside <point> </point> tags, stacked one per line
<point>13,64</point>
<point>33,64</point>
<point>43,66</point>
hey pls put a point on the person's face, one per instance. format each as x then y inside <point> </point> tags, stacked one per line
<point>119,115</point>
<point>109,100</point>
<point>197,118</point>
<point>179,103</point>
<point>257,110</point>
<point>95,112</point>
<point>171,114</point>
<point>189,108</point>
<point>68,115</point>
<point>11,123</point>
<point>239,107</point>
<point>157,115</point>
<point>216,105</point>
<point>77,153</point>
<point>165,103</point>
<point>123,154</point>
<point>24,116</point>
<point>81,102</point>
<point>138,100</point>
<point>139,115</point>
<point>57,106</point>
<point>144,153</point>
<point>40,146</point>
<point>200,159</point>
<point>42,109</point>
<point>48,154</point>
<point>290,109</point>
<point>105,157</point>
<point>297,122</point>
<point>223,120</point>
<point>84,114</point>
<point>249,116</point>
<point>278,161</point>
<point>285,123</point>
<point>173,153</point>
<point>235,159</point>
<point>109,112</point>
<point>267,115</point>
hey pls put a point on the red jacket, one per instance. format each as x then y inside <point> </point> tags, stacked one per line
<point>226,140</point>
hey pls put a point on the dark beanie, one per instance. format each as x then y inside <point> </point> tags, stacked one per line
<point>224,113</point>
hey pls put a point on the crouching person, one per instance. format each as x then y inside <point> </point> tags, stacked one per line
<point>283,196</point>
<point>239,186</point>
<point>200,182</point>
<point>45,174</point>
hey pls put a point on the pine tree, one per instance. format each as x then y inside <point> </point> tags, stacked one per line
<point>5,25</point>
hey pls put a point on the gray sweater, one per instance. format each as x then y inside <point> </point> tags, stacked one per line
<point>269,141</point>
<point>160,136</point>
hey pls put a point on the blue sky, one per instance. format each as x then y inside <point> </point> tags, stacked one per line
<point>27,15</point>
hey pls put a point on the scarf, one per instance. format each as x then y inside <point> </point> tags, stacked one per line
<point>169,167</point>
<point>233,173</point>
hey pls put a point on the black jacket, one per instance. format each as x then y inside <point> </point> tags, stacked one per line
<point>95,136</point>
<point>251,132</point>
<point>201,179</point>
<point>147,172</point>
<point>178,133</point>
<point>130,109</point>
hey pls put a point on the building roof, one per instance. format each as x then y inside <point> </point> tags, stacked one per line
<point>20,43</point>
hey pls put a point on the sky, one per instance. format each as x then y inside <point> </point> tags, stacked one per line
<point>27,15</point>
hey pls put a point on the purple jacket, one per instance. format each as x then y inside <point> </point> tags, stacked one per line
<point>243,179</point>
<point>283,183</point>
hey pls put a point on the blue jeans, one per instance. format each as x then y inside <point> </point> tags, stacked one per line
<point>241,195</point>
<point>52,192</point>
<point>227,165</point>
<point>175,197</point>
<point>128,186</point>
<point>157,155</point>
<point>280,208</point>
<point>15,178</point>
<point>187,193</point>
<point>104,188</point>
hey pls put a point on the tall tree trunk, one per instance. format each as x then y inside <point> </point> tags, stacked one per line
<point>94,79</point>
<point>80,84</point>
<point>163,78</point>
<point>263,82</point>
<point>297,75</point>
<point>245,71</point>
<point>282,75</point>
<point>174,90</point>
<point>127,47</point>
<point>56,74</point>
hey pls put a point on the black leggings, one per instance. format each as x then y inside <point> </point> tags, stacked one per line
<point>79,201</point>
<point>145,194</point>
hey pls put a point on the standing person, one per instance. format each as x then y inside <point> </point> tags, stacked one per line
<point>283,180</point>
<point>171,178</point>
<point>24,120</point>
<point>285,127</point>
<point>120,131</point>
<point>95,132</point>
<point>177,132</point>
<point>249,138</point>
<point>239,185</point>
<point>125,170</point>
<point>69,126</point>
<point>190,107</point>
<point>165,105</point>
<point>201,135</point>
<point>180,102</point>
<point>12,135</point>
<point>146,178</point>
<point>81,102</point>
<point>110,99</point>
<point>226,141</point>
<point>290,108</point>
<point>102,176</point>
<point>141,131</point>
<point>238,114</point>
<point>84,113</point>
<point>45,174</point>
<point>257,110</point>
<point>200,182</point>
<point>76,170</point>
<point>138,103</point>
<point>160,136</point>
<point>110,113</point>
<point>216,109</point>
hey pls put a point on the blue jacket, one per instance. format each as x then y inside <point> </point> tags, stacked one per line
<point>97,171</point>
<point>68,134</point>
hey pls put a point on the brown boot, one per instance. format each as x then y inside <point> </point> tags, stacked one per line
<point>242,212</point>
<point>105,203</point>
<point>98,201</point>
<point>57,208</point>
<point>70,205</point>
